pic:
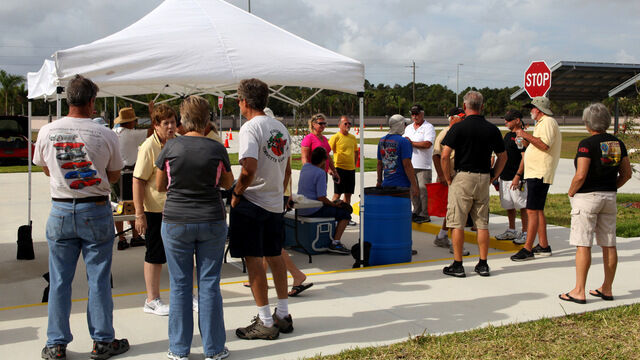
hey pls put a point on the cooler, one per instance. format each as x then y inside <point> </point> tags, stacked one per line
<point>314,234</point>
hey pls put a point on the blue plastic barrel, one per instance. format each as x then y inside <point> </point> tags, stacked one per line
<point>387,224</point>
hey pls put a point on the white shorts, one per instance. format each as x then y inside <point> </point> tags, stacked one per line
<point>512,199</point>
<point>592,214</point>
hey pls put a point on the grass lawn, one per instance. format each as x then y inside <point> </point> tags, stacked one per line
<point>19,169</point>
<point>606,334</point>
<point>558,212</point>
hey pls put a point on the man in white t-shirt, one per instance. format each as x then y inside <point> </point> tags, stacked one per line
<point>256,226</point>
<point>81,158</point>
<point>421,134</point>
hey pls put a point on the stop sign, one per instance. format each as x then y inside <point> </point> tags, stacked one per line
<point>537,79</point>
<point>220,102</point>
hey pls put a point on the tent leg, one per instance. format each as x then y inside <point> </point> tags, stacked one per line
<point>361,122</point>
<point>615,119</point>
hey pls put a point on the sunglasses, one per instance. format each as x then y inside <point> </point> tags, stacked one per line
<point>322,123</point>
<point>347,123</point>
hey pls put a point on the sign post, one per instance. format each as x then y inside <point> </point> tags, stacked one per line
<point>537,79</point>
<point>220,104</point>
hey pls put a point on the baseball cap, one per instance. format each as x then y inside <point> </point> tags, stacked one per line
<point>512,115</point>
<point>541,103</point>
<point>416,109</point>
<point>456,111</point>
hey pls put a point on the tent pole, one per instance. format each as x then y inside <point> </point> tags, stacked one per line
<point>615,119</point>
<point>29,155</point>
<point>59,90</point>
<point>361,240</point>
<point>115,110</point>
<point>220,130</point>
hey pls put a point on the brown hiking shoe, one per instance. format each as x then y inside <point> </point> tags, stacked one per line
<point>257,330</point>
<point>285,324</point>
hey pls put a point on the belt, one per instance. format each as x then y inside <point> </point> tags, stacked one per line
<point>83,200</point>
<point>473,172</point>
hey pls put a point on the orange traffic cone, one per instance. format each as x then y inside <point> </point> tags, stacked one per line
<point>364,126</point>
<point>357,131</point>
<point>381,127</point>
<point>226,143</point>
<point>230,134</point>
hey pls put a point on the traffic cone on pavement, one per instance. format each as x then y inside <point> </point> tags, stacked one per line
<point>226,143</point>
<point>230,134</point>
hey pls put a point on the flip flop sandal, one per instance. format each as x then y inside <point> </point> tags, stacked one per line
<point>571,299</point>
<point>599,294</point>
<point>296,290</point>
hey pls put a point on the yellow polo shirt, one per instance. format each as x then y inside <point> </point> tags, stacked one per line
<point>437,148</point>
<point>543,164</point>
<point>344,149</point>
<point>145,169</point>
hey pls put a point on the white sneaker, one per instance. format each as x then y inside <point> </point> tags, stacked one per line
<point>173,356</point>
<point>195,303</point>
<point>223,355</point>
<point>442,242</point>
<point>156,307</point>
<point>507,235</point>
<point>521,239</point>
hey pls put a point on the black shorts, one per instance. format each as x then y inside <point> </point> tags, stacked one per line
<point>536,194</point>
<point>153,239</point>
<point>127,187</point>
<point>347,182</point>
<point>254,231</point>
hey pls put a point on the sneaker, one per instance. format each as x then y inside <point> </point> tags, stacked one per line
<point>137,241</point>
<point>173,356</point>
<point>457,271</point>
<point>507,235</point>
<point>540,251</point>
<point>482,269</point>
<point>257,330</point>
<point>339,249</point>
<point>219,356</point>
<point>55,352</point>
<point>123,244</point>
<point>521,239</point>
<point>285,325</point>
<point>352,223</point>
<point>522,255</point>
<point>104,350</point>
<point>421,219</point>
<point>442,242</point>
<point>156,307</point>
<point>195,303</point>
<point>465,252</point>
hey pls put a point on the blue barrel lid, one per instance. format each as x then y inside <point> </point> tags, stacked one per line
<point>388,191</point>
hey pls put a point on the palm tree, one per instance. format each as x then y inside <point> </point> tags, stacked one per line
<point>9,82</point>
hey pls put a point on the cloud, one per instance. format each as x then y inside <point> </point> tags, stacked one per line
<point>623,57</point>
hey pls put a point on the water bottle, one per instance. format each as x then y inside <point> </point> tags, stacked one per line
<point>519,142</point>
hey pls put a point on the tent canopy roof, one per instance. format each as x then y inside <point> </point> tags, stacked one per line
<point>204,46</point>
<point>584,81</point>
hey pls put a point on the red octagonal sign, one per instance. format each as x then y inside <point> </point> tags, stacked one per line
<point>537,79</point>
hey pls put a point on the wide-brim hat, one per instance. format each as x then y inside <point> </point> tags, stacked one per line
<point>126,115</point>
<point>541,103</point>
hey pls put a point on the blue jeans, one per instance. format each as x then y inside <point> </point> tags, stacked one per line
<point>72,228</point>
<point>181,242</point>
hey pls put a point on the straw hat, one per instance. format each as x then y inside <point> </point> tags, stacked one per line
<point>126,115</point>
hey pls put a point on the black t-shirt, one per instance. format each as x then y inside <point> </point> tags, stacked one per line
<point>606,153</point>
<point>474,139</point>
<point>195,164</point>
<point>514,156</point>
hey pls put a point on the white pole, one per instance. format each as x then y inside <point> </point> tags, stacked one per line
<point>361,123</point>
<point>457,82</point>
<point>220,130</point>
<point>29,164</point>
<point>58,106</point>
<point>115,111</point>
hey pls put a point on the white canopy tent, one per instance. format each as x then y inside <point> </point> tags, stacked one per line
<point>186,47</point>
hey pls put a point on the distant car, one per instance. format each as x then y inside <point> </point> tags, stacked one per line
<point>79,184</point>
<point>14,142</point>
<point>87,173</point>
<point>76,165</point>
<point>66,146</point>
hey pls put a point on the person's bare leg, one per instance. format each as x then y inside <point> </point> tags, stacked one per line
<point>279,272</point>
<point>511,214</point>
<point>119,228</point>
<point>532,229</point>
<point>335,197</point>
<point>457,239</point>
<point>610,260</point>
<point>342,224</point>
<point>257,279</point>
<point>134,232</point>
<point>483,243</point>
<point>542,230</point>
<point>347,198</point>
<point>152,280</point>
<point>524,217</point>
<point>298,276</point>
<point>583,262</point>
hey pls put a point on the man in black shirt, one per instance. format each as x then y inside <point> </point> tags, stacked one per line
<point>513,193</point>
<point>474,140</point>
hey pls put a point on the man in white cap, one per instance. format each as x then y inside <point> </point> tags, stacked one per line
<point>540,163</point>
<point>394,158</point>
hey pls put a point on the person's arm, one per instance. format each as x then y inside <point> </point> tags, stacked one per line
<point>113,176</point>
<point>408,169</point>
<point>328,202</point>
<point>535,141</point>
<point>287,174</point>
<point>332,170</point>
<point>582,168</point>
<point>305,154</point>
<point>162,181</point>
<point>624,172</point>
<point>420,144</point>
<point>379,173</point>
<point>499,165</point>
<point>46,171</point>
<point>138,203</point>
<point>445,162</point>
<point>247,175</point>
<point>437,164</point>
<point>515,183</point>
<point>226,180</point>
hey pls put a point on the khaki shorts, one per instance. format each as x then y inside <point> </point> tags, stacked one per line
<point>468,195</point>
<point>512,199</point>
<point>593,213</point>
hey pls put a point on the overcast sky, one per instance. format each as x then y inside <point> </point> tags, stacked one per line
<point>494,39</point>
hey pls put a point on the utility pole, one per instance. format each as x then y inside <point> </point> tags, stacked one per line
<point>458,82</point>
<point>249,6</point>
<point>413,83</point>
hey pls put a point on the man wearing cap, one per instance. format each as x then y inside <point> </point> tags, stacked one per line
<point>512,187</point>
<point>473,139</point>
<point>540,163</point>
<point>129,138</point>
<point>394,158</point>
<point>421,135</point>
<point>344,147</point>
<point>455,116</point>
<point>81,158</point>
